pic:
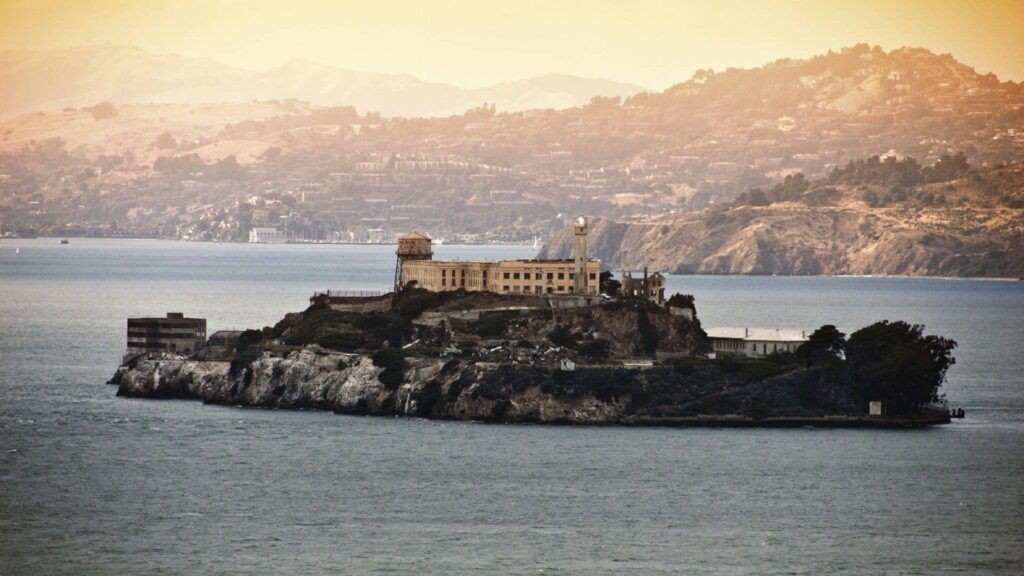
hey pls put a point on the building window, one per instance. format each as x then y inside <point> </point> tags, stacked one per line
<point>593,276</point>
<point>561,275</point>
<point>506,278</point>
<point>550,289</point>
<point>463,272</point>
<point>443,273</point>
<point>462,282</point>
<point>444,281</point>
<point>551,276</point>
<point>515,276</point>
<point>561,288</point>
<point>572,275</point>
<point>504,288</point>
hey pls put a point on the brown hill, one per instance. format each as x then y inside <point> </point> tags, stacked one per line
<point>976,231</point>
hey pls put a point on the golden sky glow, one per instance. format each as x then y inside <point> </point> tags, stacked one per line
<point>652,43</point>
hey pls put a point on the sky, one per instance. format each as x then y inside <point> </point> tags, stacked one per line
<point>651,43</point>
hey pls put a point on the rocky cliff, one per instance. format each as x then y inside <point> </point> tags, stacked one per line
<point>970,227</point>
<point>468,390</point>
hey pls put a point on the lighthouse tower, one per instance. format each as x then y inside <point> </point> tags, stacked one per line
<point>579,255</point>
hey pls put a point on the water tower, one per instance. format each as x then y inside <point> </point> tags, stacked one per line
<point>415,246</point>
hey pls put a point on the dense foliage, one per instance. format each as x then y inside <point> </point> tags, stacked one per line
<point>895,363</point>
<point>825,345</point>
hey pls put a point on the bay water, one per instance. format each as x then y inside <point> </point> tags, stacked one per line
<point>95,484</point>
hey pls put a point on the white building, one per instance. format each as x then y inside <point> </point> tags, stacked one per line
<point>266,236</point>
<point>754,342</point>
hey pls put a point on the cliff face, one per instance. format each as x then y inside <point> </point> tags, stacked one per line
<point>468,390</point>
<point>348,383</point>
<point>792,239</point>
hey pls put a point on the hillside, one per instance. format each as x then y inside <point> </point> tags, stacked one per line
<point>54,79</point>
<point>211,171</point>
<point>969,225</point>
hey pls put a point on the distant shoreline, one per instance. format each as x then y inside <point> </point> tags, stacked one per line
<point>513,244</point>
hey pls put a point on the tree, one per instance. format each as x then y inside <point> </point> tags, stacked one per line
<point>609,285</point>
<point>825,345</point>
<point>102,111</point>
<point>893,362</point>
<point>165,142</point>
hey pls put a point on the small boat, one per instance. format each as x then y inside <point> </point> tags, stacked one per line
<point>65,241</point>
<point>17,251</point>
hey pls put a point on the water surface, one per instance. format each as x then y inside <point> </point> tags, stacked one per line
<point>94,484</point>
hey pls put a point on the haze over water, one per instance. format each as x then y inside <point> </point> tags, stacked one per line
<point>94,484</point>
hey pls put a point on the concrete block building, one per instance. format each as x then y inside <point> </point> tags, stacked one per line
<point>173,334</point>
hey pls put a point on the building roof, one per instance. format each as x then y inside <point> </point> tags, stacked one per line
<point>758,334</point>
<point>416,236</point>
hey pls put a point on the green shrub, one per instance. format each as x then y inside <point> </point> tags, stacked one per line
<point>411,301</point>
<point>719,405</point>
<point>386,356</point>
<point>682,301</point>
<point>493,324</point>
<point>342,341</point>
<point>807,390</point>
<point>596,349</point>
<point>648,333</point>
<point>560,336</point>
<point>749,369</point>
<point>384,327</point>
<point>758,409</point>
<point>687,366</point>
<point>393,362</point>
<point>314,321</point>
<point>242,360</point>
<point>248,339</point>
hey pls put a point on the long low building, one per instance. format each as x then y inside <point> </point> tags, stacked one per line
<point>501,276</point>
<point>754,342</point>
<point>577,275</point>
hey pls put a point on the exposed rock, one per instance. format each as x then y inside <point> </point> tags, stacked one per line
<point>793,239</point>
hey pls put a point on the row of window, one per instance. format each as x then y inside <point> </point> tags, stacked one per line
<point>543,290</point>
<point>536,289</point>
<point>537,276</point>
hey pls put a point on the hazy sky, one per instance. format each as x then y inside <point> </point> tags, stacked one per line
<point>652,43</point>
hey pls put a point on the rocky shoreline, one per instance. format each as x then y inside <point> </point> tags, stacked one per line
<point>491,358</point>
<point>456,390</point>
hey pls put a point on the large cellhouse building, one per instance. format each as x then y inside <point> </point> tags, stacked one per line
<point>576,275</point>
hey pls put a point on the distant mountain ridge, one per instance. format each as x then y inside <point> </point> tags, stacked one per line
<point>53,79</point>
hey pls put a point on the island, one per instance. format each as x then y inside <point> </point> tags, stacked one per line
<point>482,356</point>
